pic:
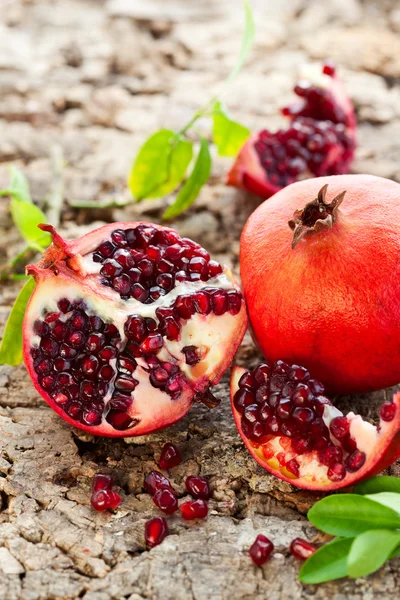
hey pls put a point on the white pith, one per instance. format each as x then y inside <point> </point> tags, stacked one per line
<point>311,470</point>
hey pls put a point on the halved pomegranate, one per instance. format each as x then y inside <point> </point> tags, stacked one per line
<point>295,432</point>
<point>128,325</point>
<point>320,139</point>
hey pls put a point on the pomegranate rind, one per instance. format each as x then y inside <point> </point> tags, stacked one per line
<point>60,274</point>
<point>381,454</point>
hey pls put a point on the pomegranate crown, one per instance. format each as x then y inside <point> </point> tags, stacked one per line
<point>316,216</point>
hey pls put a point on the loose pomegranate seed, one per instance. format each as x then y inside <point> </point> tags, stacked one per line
<point>340,427</point>
<point>198,487</point>
<point>355,461</point>
<point>156,481</point>
<point>105,499</point>
<point>194,509</point>
<point>155,531</point>
<point>166,500</point>
<point>301,549</point>
<point>170,457</point>
<point>261,550</point>
<point>388,411</point>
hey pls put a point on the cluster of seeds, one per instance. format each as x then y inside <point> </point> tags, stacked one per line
<point>145,263</point>
<point>283,400</point>
<point>164,497</point>
<point>302,149</point>
<point>262,548</point>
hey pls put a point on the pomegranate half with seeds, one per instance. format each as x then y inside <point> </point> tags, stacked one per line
<point>293,430</point>
<point>320,139</point>
<point>128,325</point>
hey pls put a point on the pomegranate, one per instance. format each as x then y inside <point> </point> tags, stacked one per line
<point>128,325</point>
<point>293,430</point>
<point>320,138</point>
<point>321,276</point>
<point>261,550</point>
<point>198,487</point>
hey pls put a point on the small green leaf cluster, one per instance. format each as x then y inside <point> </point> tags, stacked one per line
<point>367,526</point>
<point>165,161</point>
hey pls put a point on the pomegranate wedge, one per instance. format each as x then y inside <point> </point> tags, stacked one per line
<point>295,433</point>
<point>128,325</point>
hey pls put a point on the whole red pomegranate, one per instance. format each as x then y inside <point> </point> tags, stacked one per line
<point>320,139</point>
<point>320,269</point>
<point>128,325</point>
<point>293,430</point>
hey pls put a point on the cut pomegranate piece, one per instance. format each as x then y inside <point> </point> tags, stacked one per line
<point>198,487</point>
<point>170,456</point>
<point>122,363</point>
<point>301,549</point>
<point>261,550</point>
<point>314,447</point>
<point>155,531</point>
<point>194,509</point>
<point>320,139</point>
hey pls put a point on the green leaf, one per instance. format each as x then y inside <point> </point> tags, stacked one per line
<point>26,218</point>
<point>11,346</point>
<point>191,188</point>
<point>370,550</point>
<point>179,160</point>
<point>381,483</point>
<point>327,563</point>
<point>160,165</point>
<point>347,515</point>
<point>19,187</point>
<point>228,135</point>
<point>389,499</point>
<point>247,41</point>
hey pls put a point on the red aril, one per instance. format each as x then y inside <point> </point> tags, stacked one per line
<point>321,449</point>
<point>155,481</point>
<point>121,362</point>
<point>155,531</point>
<point>170,457</point>
<point>194,509</point>
<point>198,487</point>
<point>301,549</point>
<point>166,500</point>
<point>261,550</point>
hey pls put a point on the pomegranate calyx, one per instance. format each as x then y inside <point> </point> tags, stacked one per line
<point>316,216</point>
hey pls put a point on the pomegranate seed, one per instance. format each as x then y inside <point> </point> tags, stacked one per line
<point>162,312</point>
<point>329,69</point>
<point>126,364</point>
<point>95,342</point>
<point>316,386</point>
<point>152,343</point>
<point>139,293</point>
<point>76,339</point>
<point>293,466</point>
<point>339,427</point>
<point>44,366</point>
<point>166,500</point>
<point>219,301</point>
<point>135,328</point>
<point>47,383</point>
<point>106,373</point>
<point>119,238</point>
<point>388,411</point>
<point>301,549</point>
<point>332,454</point>
<point>265,411</point>
<point>303,416</point>
<point>184,305</point>
<point>60,398</point>
<point>102,481</point>
<point>90,366</point>
<point>198,487</point>
<point>135,275</point>
<point>110,269</point>
<point>234,302</point>
<point>337,472</point>
<point>194,509</point>
<point>120,420</point>
<point>298,373</point>
<point>302,396</point>
<point>191,355</point>
<point>214,268</point>
<point>261,550</point>
<point>272,425</point>
<point>105,499</point>
<point>170,328</point>
<point>262,394</point>
<point>173,252</point>
<point>243,398</point>
<point>284,408</point>
<point>247,380</point>
<point>250,413</point>
<point>202,303</point>
<point>156,481</point>
<point>155,531</point>
<point>41,328</point>
<point>268,451</point>
<point>49,347</point>
<point>170,456</point>
<point>301,445</point>
<point>125,383</point>
<point>122,284</point>
<point>355,461</point>
<point>64,305</point>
